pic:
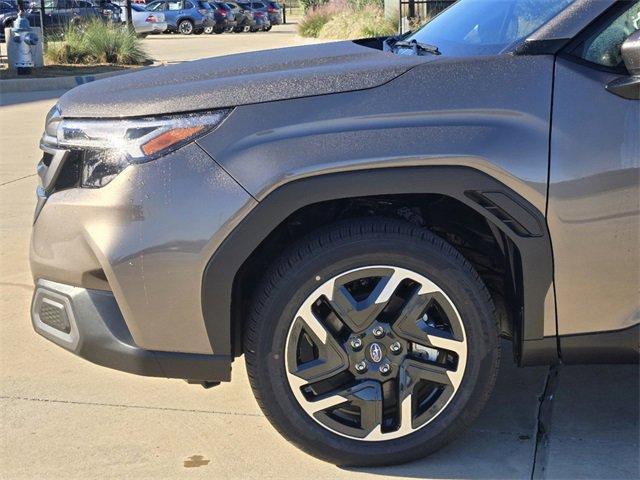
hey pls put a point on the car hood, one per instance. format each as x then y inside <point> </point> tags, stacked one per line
<point>234,80</point>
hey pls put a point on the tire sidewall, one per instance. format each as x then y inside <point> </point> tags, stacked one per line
<point>185,22</point>
<point>383,249</point>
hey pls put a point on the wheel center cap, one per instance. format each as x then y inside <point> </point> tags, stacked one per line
<point>375,352</point>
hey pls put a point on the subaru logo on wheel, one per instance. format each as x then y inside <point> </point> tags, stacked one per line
<point>375,352</point>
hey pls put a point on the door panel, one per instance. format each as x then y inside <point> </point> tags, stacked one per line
<point>594,198</point>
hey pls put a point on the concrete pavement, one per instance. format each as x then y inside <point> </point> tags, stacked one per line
<point>62,417</point>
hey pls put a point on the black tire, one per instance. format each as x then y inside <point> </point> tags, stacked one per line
<point>332,251</point>
<point>208,30</point>
<point>266,29</point>
<point>185,27</point>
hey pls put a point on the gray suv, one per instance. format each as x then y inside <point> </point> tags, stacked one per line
<point>362,220</point>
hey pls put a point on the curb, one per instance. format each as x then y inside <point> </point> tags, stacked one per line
<point>15,85</point>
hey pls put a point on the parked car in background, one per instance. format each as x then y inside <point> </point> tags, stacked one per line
<point>109,11</point>
<point>57,14</point>
<point>146,22</point>
<point>184,16</point>
<point>8,13</point>
<point>273,9</point>
<point>260,18</point>
<point>244,18</point>
<point>60,13</point>
<point>224,17</point>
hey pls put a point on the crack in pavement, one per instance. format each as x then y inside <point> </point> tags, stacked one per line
<point>17,179</point>
<point>122,405</point>
<point>545,407</point>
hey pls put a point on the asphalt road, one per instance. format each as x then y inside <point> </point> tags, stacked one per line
<point>62,417</point>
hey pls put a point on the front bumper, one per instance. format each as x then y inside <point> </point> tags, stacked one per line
<point>145,239</point>
<point>89,323</point>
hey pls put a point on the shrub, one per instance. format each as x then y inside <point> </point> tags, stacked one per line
<point>311,4</point>
<point>315,19</point>
<point>94,43</point>
<point>361,4</point>
<point>351,24</point>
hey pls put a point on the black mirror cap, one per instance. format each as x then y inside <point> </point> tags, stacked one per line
<point>631,53</point>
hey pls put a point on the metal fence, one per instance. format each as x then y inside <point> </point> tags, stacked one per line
<point>414,13</point>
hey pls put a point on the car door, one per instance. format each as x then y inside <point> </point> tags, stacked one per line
<point>162,7</point>
<point>593,207</point>
<point>174,11</point>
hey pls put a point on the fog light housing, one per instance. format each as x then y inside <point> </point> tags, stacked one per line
<point>53,314</point>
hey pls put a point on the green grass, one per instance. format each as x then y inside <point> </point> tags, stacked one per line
<point>95,43</point>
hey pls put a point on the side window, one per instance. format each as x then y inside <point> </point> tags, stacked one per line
<point>188,5</point>
<point>175,5</point>
<point>603,47</point>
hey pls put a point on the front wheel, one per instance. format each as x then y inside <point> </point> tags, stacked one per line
<point>372,342</point>
<point>185,27</point>
<point>208,30</point>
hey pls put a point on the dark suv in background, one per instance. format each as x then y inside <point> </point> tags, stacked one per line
<point>224,17</point>
<point>8,13</point>
<point>244,18</point>
<point>57,14</point>
<point>260,18</point>
<point>364,221</point>
<point>272,9</point>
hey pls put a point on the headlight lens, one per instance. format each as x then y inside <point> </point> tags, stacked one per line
<point>106,147</point>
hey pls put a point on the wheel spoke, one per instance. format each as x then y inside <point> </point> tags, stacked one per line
<point>413,372</point>
<point>331,358</point>
<point>367,396</point>
<point>358,314</point>
<point>411,324</point>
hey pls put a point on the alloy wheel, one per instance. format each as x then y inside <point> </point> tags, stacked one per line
<point>375,353</point>
<point>186,27</point>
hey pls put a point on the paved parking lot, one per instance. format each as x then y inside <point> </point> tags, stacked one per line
<point>177,48</point>
<point>62,417</point>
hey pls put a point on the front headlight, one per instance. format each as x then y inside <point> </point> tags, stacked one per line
<point>104,148</point>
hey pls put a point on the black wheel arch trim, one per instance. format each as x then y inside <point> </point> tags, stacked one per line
<point>530,236</point>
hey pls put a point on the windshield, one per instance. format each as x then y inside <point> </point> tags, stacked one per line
<point>486,27</point>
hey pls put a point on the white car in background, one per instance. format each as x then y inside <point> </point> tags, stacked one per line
<point>144,21</point>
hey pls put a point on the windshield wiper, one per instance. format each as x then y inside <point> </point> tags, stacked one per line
<point>417,47</point>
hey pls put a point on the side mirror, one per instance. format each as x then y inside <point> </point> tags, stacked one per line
<point>629,87</point>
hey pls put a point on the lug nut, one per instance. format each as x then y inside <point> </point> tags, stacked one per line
<point>355,343</point>
<point>361,366</point>
<point>378,332</point>
<point>395,347</point>
<point>385,368</point>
